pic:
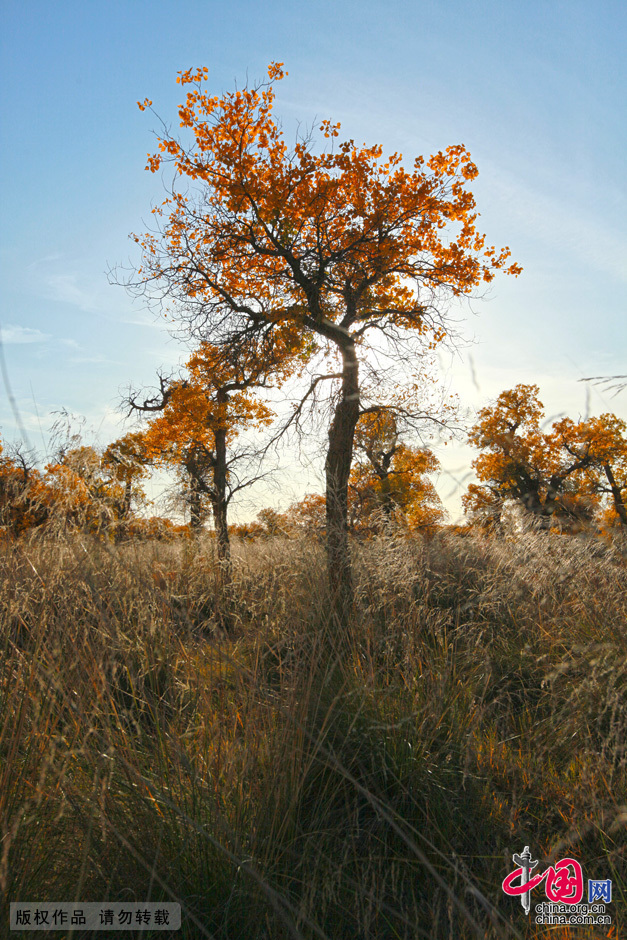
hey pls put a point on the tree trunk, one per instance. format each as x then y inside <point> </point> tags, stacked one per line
<point>387,499</point>
<point>219,499</point>
<point>219,504</point>
<point>337,467</point>
<point>195,503</point>
<point>128,494</point>
<point>222,531</point>
<point>619,504</point>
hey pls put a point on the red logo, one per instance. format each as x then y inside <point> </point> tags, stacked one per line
<point>562,886</point>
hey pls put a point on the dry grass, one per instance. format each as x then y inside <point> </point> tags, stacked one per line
<point>301,778</point>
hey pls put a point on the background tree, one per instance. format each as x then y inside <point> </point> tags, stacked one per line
<point>308,515</point>
<point>80,487</point>
<point>126,461</point>
<point>81,492</point>
<point>601,444</point>
<point>389,478</point>
<point>203,413</point>
<point>340,244</point>
<point>557,475</point>
<point>24,502</point>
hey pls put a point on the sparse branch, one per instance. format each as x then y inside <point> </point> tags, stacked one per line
<point>612,383</point>
<point>158,402</point>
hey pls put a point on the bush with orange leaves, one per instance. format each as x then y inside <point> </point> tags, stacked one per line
<point>24,494</point>
<point>81,489</point>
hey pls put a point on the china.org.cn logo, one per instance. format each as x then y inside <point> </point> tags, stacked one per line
<point>564,889</point>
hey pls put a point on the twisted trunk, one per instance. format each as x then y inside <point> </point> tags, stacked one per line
<point>619,504</point>
<point>337,468</point>
<point>219,497</point>
<point>195,503</point>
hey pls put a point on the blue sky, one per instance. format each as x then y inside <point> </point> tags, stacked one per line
<point>535,90</point>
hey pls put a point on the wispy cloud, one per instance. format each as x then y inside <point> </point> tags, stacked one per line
<point>553,220</point>
<point>18,335</point>
<point>38,263</point>
<point>143,316</point>
<point>66,289</point>
<point>87,292</point>
<point>93,359</point>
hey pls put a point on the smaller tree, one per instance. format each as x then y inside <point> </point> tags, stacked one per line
<point>202,414</point>
<point>197,424</point>
<point>560,476</point>
<point>126,461</point>
<point>389,478</point>
<point>308,514</point>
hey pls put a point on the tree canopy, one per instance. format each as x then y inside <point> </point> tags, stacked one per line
<point>338,244</point>
<point>561,475</point>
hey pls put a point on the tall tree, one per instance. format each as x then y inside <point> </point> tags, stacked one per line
<point>340,244</point>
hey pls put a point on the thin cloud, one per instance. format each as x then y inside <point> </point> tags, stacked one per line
<point>149,321</point>
<point>46,259</point>
<point>93,359</point>
<point>65,289</point>
<point>19,335</point>
<point>551,220</point>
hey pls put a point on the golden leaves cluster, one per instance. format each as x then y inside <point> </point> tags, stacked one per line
<point>218,394</point>
<point>573,462</point>
<point>271,222</point>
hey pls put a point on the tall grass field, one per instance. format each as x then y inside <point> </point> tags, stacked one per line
<point>284,775</point>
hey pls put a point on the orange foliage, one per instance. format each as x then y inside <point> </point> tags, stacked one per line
<point>389,478</point>
<point>306,516</point>
<point>246,530</point>
<point>81,489</point>
<point>23,494</point>
<point>292,242</point>
<point>81,492</point>
<point>561,475</point>
<point>195,410</point>
<point>154,528</point>
<point>126,460</point>
<point>202,414</point>
<point>367,223</point>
